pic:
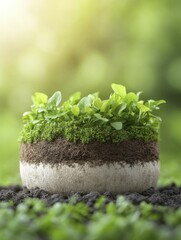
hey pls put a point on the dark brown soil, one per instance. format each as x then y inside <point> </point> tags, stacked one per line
<point>131,152</point>
<point>169,196</point>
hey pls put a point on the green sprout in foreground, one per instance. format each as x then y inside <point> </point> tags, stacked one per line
<point>121,117</point>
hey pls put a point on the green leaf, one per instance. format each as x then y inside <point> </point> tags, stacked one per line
<point>97,103</point>
<point>98,116</point>
<point>85,102</point>
<point>131,97</point>
<point>154,104</point>
<point>142,107</point>
<point>117,125</point>
<point>75,110</point>
<point>27,113</point>
<point>156,117</point>
<point>122,107</point>
<point>160,102</point>
<point>119,89</point>
<point>115,100</point>
<point>37,121</point>
<point>41,109</point>
<point>39,99</point>
<point>55,100</point>
<point>89,111</point>
<point>51,116</point>
<point>92,97</point>
<point>96,94</point>
<point>66,105</point>
<point>28,116</point>
<point>75,98</point>
<point>105,105</point>
<point>138,94</point>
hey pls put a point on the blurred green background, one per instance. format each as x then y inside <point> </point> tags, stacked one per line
<point>86,45</point>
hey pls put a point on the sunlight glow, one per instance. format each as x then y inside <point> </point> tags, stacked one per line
<point>16,22</point>
<point>13,14</point>
<point>9,9</point>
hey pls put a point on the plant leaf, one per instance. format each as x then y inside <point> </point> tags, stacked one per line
<point>105,105</point>
<point>152,103</point>
<point>85,102</point>
<point>97,103</point>
<point>119,89</point>
<point>117,125</point>
<point>55,100</point>
<point>89,111</point>
<point>142,107</point>
<point>98,116</point>
<point>39,99</point>
<point>75,110</point>
<point>122,107</point>
<point>138,94</point>
<point>75,97</point>
<point>131,97</point>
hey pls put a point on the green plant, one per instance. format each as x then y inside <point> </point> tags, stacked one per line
<point>116,116</point>
<point>33,220</point>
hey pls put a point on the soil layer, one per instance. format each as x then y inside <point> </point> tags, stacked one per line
<point>60,150</point>
<point>169,196</point>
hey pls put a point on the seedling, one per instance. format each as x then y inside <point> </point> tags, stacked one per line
<point>121,117</point>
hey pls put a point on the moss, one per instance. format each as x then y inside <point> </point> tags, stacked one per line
<point>72,131</point>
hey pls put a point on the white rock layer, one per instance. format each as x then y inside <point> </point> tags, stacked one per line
<point>116,177</point>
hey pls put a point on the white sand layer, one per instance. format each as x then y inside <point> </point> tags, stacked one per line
<point>116,177</point>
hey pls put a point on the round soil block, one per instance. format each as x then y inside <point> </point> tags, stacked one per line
<point>62,166</point>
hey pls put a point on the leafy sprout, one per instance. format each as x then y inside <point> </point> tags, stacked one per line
<point>120,111</point>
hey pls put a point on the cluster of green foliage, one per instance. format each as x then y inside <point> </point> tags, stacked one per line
<point>32,220</point>
<point>121,117</point>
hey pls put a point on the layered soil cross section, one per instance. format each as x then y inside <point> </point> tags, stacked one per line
<point>94,153</point>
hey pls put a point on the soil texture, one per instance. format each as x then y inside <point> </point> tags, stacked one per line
<point>169,196</point>
<point>95,153</point>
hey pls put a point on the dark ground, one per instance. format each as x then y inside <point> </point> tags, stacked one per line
<point>169,196</point>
